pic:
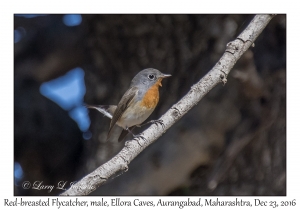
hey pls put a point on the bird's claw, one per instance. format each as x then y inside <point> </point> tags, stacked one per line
<point>136,138</point>
<point>139,136</point>
<point>156,122</point>
<point>153,121</point>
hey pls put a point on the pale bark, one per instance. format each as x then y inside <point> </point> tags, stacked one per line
<point>234,50</point>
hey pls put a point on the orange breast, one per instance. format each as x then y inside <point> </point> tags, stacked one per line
<point>151,98</point>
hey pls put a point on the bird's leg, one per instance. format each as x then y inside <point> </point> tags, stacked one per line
<point>130,132</point>
<point>135,136</point>
<point>153,121</point>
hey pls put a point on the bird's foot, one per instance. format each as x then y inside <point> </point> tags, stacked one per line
<point>153,121</point>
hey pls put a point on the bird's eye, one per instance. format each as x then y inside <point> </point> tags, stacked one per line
<point>151,76</point>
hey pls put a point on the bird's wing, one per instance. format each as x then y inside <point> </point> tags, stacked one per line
<point>124,103</point>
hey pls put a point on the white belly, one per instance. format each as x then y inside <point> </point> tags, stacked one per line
<point>134,116</point>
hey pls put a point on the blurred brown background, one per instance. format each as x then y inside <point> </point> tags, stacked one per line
<point>232,143</point>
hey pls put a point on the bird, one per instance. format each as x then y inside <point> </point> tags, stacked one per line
<point>136,105</point>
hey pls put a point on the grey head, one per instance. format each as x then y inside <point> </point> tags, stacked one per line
<point>147,78</point>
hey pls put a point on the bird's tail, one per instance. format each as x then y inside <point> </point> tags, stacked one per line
<point>107,110</point>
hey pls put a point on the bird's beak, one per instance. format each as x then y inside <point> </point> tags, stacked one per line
<point>166,75</point>
<point>163,76</point>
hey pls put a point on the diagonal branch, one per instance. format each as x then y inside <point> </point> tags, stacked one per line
<point>234,50</point>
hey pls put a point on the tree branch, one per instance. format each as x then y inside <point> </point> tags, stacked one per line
<point>234,50</point>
